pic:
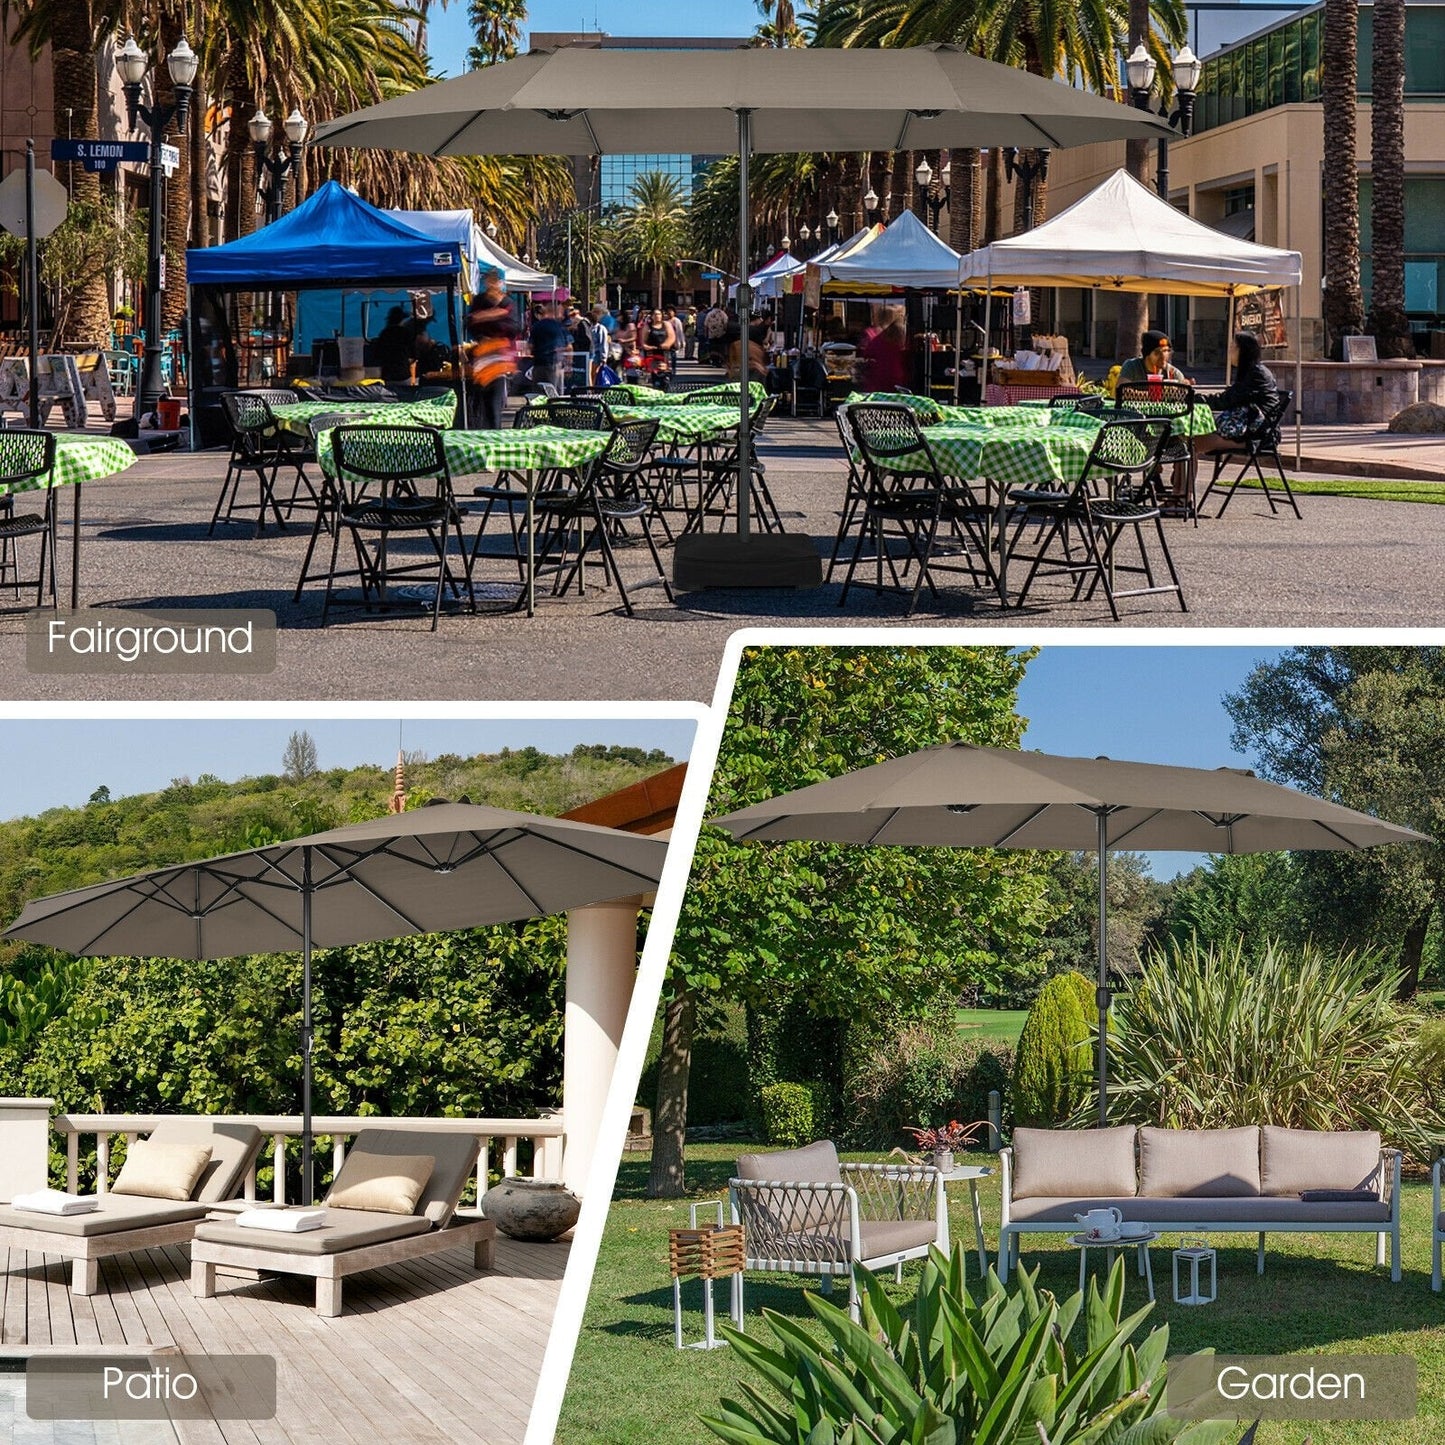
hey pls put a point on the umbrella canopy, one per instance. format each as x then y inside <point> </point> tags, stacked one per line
<point>959,795</point>
<point>442,867</point>
<point>584,101</point>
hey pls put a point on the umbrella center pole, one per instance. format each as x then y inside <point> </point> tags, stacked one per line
<point>1103,994</point>
<point>745,313</point>
<point>307,1037</point>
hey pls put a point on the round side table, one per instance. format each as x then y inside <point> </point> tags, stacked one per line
<point>1139,1242</point>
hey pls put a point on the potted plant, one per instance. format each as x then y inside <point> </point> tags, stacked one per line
<point>938,1141</point>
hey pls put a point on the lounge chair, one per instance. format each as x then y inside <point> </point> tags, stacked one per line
<point>805,1213</point>
<point>356,1239</point>
<point>123,1223</point>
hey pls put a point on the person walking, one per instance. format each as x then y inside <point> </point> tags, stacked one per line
<point>716,330</point>
<point>551,348</point>
<point>689,326</point>
<point>492,358</point>
<point>675,338</point>
<point>600,347</point>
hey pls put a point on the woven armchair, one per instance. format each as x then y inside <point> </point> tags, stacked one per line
<point>803,1212</point>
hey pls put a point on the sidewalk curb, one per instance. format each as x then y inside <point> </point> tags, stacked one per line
<point>1362,467</point>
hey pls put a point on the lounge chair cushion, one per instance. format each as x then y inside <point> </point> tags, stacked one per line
<point>1172,1213</point>
<point>1074,1163</point>
<point>1294,1160</point>
<point>893,1236</point>
<point>161,1171</point>
<point>116,1212</point>
<point>344,1229</point>
<point>454,1157</point>
<point>233,1147</point>
<point>796,1210</point>
<point>815,1163</point>
<point>388,1183</point>
<point>1198,1163</point>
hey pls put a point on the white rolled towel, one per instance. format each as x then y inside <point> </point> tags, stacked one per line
<point>282,1221</point>
<point>56,1201</point>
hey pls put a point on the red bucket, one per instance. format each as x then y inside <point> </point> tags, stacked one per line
<point>168,409</point>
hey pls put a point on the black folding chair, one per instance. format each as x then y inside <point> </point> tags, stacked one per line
<point>328,494</point>
<point>1262,441</point>
<point>908,495</point>
<point>27,457</point>
<point>1089,405</point>
<point>256,448</point>
<point>1123,458</point>
<point>1174,401</point>
<point>393,481</point>
<point>612,494</point>
<point>855,486</point>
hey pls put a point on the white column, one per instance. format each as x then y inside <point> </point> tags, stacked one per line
<point>24,1146</point>
<point>601,970</point>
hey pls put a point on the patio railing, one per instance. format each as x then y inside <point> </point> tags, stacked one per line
<point>501,1138</point>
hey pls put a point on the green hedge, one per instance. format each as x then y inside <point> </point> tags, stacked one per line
<point>718,1089</point>
<point>1051,1069</point>
<point>794,1114</point>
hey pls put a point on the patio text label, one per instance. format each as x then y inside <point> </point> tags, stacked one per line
<point>156,1387</point>
<point>1292,1387</point>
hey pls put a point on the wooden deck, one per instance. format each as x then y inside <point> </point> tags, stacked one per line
<point>425,1352</point>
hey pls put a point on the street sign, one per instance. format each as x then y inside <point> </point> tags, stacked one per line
<point>51,200</point>
<point>170,159</point>
<point>712,275</point>
<point>100,155</point>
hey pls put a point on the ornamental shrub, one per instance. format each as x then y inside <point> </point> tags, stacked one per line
<point>1051,1067</point>
<point>1009,1365</point>
<point>794,1114</point>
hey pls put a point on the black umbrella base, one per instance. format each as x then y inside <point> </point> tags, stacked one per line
<point>766,559</point>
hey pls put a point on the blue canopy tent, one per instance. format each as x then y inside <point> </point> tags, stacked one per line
<point>333,239</point>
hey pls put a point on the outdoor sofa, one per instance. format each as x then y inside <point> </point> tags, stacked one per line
<point>803,1212</point>
<point>1221,1181</point>
<point>126,1221</point>
<point>405,1220</point>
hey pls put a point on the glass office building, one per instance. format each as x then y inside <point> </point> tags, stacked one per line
<point>619,172</point>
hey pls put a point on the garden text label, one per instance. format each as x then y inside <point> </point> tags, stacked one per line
<point>1292,1387</point>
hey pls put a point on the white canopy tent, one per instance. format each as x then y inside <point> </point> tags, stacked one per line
<point>516,274</point>
<point>1123,237</point>
<point>772,280</point>
<point>904,253</point>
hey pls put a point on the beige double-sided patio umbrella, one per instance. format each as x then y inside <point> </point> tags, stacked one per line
<point>959,795</point>
<point>583,100</point>
<point>444,866</point>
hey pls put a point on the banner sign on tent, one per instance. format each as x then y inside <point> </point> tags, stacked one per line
<point>1263,315</point>
<point>1023,307</point>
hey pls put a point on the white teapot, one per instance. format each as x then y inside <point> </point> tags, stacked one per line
<point>1100,1221</point>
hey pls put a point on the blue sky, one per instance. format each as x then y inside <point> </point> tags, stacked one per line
<point>1143,704</point>
<point>451,34</point>
<point>60,763</point>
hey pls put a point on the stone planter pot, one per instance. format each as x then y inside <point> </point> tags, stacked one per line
<point>532,1209</point>
<point>942,1160</point>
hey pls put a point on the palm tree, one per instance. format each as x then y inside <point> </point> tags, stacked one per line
<point>653,230</point>
<point>1344,311</point>
<point>780,27</point>
<point>1387,180</point>
<point>71,29</point>
<point>497,25</point>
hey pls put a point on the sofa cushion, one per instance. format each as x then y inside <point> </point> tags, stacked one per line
<point>1074,1163</point>
<point>116,1212</point>
<point>796,1211</point>
<point>162,1171</point>
<point>893,1236</point>
<point>1293,1160</point>
<point>343,1230</point>
<point>1198,1163</point>
<point>1201,1213</point>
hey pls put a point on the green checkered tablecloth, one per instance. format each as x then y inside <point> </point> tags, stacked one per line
<point>80,459</point>
<point>1005,416</point>
<point>725,391</point>
<point>440,411</point>
<point>1200,422</point>
<point>1018,456</point>
<point>682,424</point>
<point>532,449</point>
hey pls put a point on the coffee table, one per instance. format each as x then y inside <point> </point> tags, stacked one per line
<point>1084,1243</point>
<point>971,1173</point>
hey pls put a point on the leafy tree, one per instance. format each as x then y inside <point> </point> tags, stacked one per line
<point>298,761</point>
<point>1136,902</point>
<point>1247,898</point>
<point>846,932</point>
<point>100,795</point>
<point>1364,726</point>
<point>497,26</point>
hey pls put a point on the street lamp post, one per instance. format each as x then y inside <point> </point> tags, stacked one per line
<point>1141,71</point>
<point>832,219</point>
<point>935,197</point>
<point>272,171</point>
<point>1028,172</point>
<point>182,63</point>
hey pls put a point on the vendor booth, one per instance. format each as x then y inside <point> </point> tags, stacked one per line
<point>1123,237</point>
<point>332,241</point>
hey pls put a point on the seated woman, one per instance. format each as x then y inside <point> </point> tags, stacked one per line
<point>1155,358</point>
<point>757,355</point>
<point>1253,391</point>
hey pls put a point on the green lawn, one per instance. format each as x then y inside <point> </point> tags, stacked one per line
<point>1001,1026</point>
<point>1319,1292</point>
<point>1404,490</point>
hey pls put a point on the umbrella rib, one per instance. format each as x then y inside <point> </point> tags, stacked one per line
<point>892,814</point>
<point>649,878</point>
<point>518,885</point>
<point>438,150</point>
<point>1003,841</point>
<point>1134,827</point>
<point>1335,833</point>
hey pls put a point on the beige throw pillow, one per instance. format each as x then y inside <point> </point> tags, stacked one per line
<point>391,1183</point>
<point>161,1171</point>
